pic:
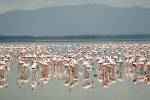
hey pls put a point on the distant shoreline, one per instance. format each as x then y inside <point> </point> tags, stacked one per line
<point>139,37</point>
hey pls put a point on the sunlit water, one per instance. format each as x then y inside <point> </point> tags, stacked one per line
<point>55,89</point>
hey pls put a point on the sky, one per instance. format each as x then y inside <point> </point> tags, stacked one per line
<point>9,5</point>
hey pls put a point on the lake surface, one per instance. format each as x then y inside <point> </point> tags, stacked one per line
<point>55,89</point>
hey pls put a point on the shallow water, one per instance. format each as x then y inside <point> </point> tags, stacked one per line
<point>55,89</point>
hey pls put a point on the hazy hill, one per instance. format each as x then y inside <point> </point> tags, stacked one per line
<point>90,19</point>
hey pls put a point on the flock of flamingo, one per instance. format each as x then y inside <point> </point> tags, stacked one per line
<point>108,63</point>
